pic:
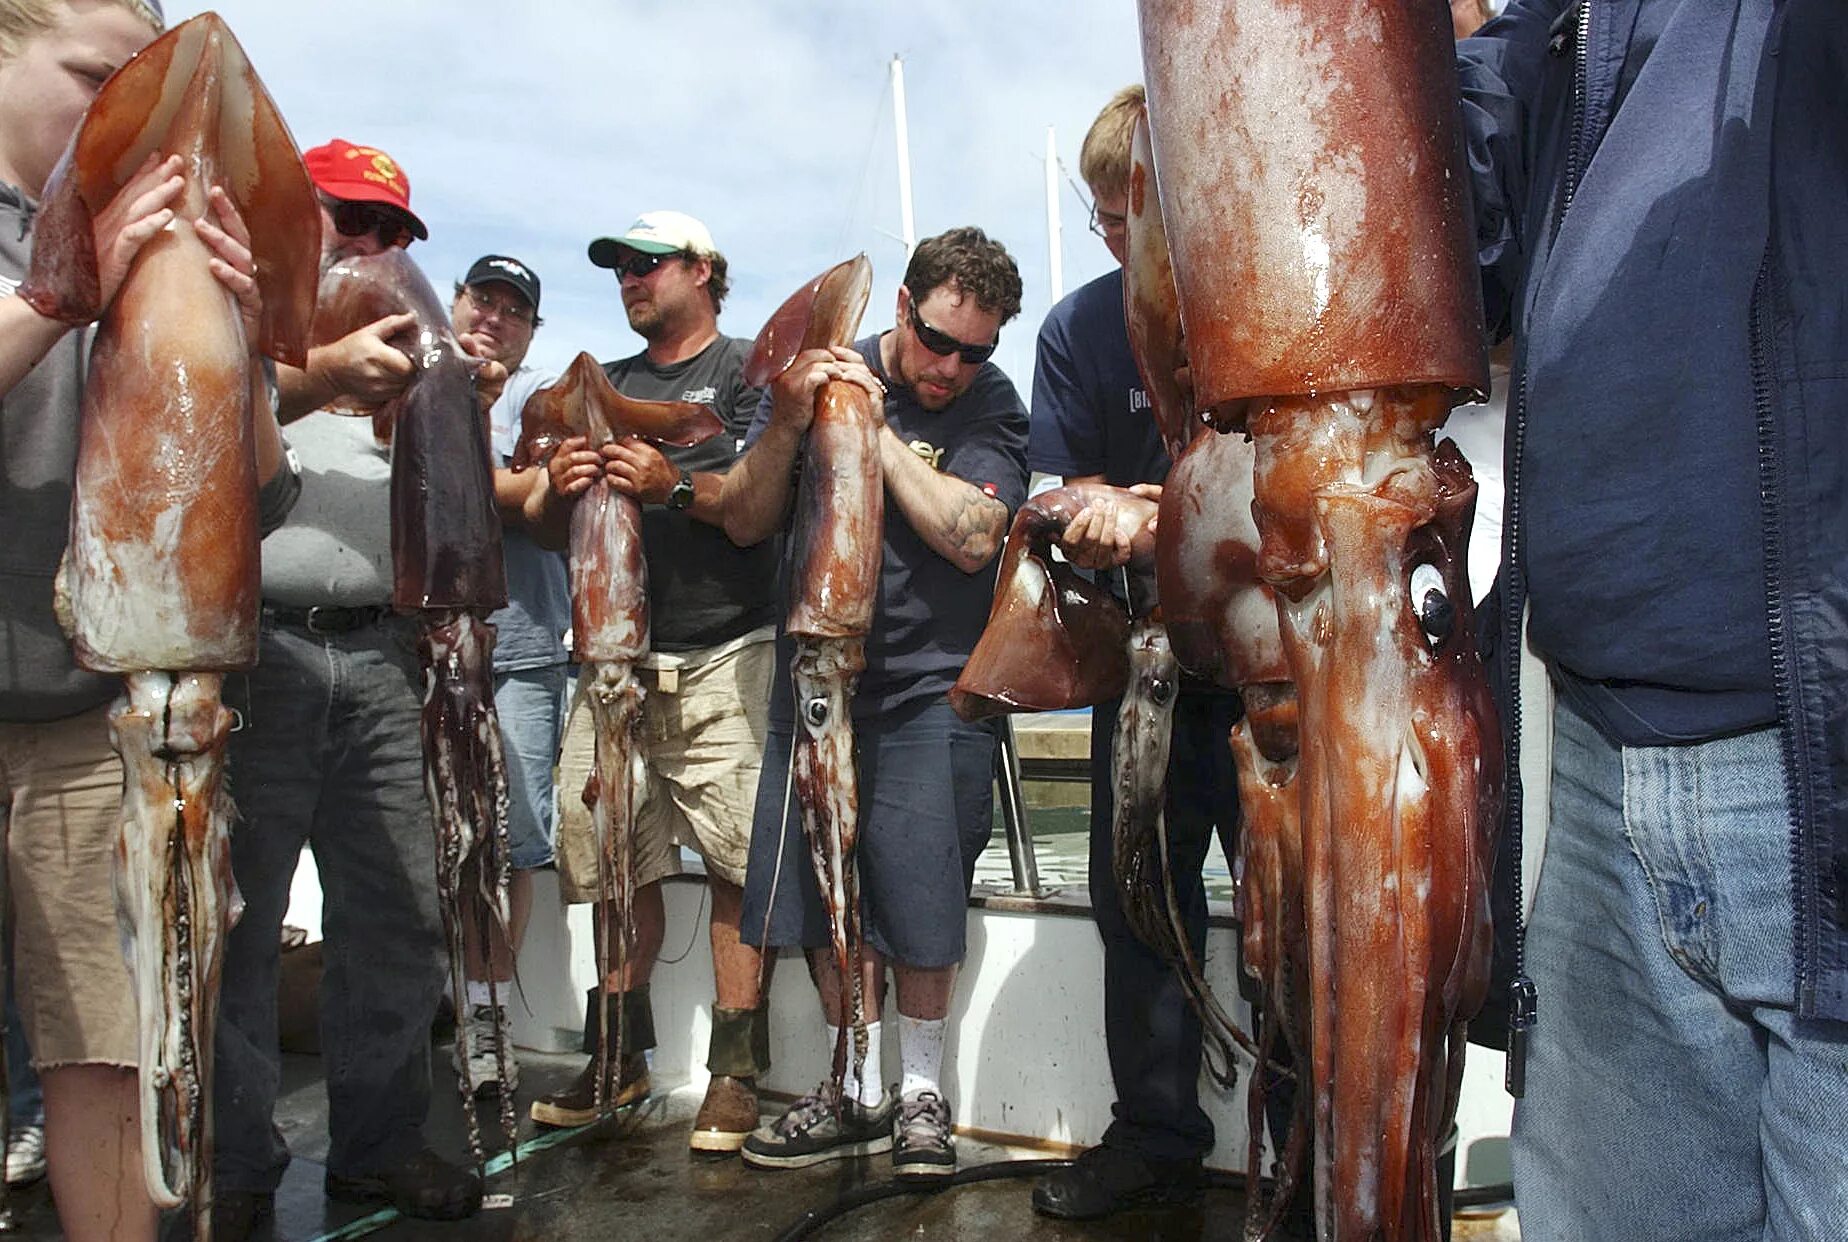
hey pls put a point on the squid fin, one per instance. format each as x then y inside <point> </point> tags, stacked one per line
<point>826,311</point>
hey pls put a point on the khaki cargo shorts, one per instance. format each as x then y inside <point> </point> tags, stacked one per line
<point>703,729</point>
<point>61,785</point>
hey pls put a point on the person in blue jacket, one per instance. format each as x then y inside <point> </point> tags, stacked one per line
<point>1662,214</point>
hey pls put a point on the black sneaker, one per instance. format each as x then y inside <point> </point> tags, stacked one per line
<point>1106,1180</point>
<point>423,1185</point>
<point>921,1146</point>
<point>811,1133</point>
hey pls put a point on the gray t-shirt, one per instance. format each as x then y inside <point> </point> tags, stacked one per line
<point>530,630</point>
<point>335,547</point>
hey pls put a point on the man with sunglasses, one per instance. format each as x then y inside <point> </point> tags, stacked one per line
<point>712,612</point>
<point>1092,424</point>
<point>328,756</point>
<point>953,454</point>
<point>495,313</point>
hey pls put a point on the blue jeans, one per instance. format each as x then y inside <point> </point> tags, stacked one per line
<point>1150,1031</point>
<point>1672,1093</point>
<point>330,756</point>
<point>531,705</point>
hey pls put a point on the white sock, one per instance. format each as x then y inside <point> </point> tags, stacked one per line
<point>478,993</point>
<point>920,1055</point>
<point>864,1087</point>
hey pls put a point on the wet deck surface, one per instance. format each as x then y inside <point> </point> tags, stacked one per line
<point>634,1177</point>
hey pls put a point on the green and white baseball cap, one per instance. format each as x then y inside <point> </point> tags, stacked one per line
<point>655,232</point>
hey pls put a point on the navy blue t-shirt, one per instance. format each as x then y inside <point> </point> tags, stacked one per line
<point>1090,412</point>
<point>929,613</point>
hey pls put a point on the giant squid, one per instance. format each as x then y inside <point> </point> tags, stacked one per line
<point>159,582</point>
<point>446,572</point>
<point>609,626</point>
<point>1311,187</point>
<point>836,552</point>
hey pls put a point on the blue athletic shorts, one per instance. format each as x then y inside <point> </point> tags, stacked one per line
<point>926,812</point>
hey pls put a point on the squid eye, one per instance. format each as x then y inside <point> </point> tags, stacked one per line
<point>815,711</point>
<point>1161,691</point>
<point>1437,616</point>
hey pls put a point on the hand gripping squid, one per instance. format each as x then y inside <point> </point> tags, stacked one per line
<point>160,579</point>
<point>836,554</point>
<point>609,626</point>
<point>1311,189</point>
<point>446,571</point>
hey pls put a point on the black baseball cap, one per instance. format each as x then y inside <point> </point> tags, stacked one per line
<point>492,267</point>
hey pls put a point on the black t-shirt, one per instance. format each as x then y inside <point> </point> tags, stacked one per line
<point>930,613</point>
<point>702,588</point>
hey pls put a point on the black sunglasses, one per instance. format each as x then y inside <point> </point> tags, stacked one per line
<point>361,219</point>
<point>640,263</point>
<point>943,344</point>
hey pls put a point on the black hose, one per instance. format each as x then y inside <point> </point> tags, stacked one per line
<point>815,1220</point>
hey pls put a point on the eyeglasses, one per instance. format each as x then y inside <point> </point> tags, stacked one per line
<point>507,308</point>
<point>943,344</point>
<point>364,219</point>
<point>1104,223</point>
<point>640,263</point>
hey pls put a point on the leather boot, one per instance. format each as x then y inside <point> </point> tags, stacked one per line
<point>627,1080</point>
<point>734,1055</point>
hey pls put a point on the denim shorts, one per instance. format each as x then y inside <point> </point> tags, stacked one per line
<point>531,706</point>
<point>926,813</point>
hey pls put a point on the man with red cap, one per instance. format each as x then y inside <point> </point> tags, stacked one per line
<point>329,757</point>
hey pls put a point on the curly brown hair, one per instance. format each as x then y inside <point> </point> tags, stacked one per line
<point>971,262</point>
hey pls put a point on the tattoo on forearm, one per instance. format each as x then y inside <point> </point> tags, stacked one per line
<point>970,529</point>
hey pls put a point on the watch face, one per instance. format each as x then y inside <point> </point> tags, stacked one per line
<point>682,495</point>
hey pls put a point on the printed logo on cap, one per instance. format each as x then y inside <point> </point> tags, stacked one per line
<point>511,268</point>
<point>384,169</point>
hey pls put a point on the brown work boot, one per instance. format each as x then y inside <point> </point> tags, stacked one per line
<point>576,1105</point>
<point>727,1116</point>
<point>628,1082</point>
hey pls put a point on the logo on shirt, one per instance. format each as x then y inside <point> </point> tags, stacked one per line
<point>933,457</point>
<point>700,396</point>
<point>8,287</point>
<point>1138,401</point>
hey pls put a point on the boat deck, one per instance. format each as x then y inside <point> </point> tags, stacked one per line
<point>634,1177</point>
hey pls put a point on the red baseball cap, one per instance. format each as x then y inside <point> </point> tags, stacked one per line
<point>356,174</point>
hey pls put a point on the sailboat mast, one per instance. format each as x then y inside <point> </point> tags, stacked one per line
<point>907,224</point>
<point>1054,252</point>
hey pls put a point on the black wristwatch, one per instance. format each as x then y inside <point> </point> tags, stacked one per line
<point>681,497</point>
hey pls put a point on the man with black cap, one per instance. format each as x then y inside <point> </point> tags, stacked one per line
<point>495,312</point>
<point>329,756</point>
<point>707,678</point>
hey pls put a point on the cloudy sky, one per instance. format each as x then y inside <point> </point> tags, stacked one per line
<point>527,129</point>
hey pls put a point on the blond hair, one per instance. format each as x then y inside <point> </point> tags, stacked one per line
<point>1103,160</point>
<point>22,21</point>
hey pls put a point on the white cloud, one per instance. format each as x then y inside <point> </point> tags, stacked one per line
<point>530,128</point>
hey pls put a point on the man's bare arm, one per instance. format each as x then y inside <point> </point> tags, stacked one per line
<point>960,522</point>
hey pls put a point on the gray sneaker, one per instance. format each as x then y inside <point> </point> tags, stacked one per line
<point>923,1150</point>
<point>25,1155</point>
<point>473,1054</point>
<point>811,1133</point>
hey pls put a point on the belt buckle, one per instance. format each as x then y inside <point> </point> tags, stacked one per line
<point>311,620</point>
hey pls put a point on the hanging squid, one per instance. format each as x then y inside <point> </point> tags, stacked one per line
<point>1222,622</point>
<point>1311,189</point>
<point>160,579</point>
<point>447,572</point>
<point>837,550</point>
<point>609,626</point>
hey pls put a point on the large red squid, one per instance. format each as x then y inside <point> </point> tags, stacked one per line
<point>447,572</point>
<point>609,625</point>
<point>837,549</point>
<point>160,580</point>
<point>1312,192</point>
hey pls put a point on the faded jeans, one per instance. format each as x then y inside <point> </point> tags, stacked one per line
<point>329,755</point>
<point>1673,1095</point>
